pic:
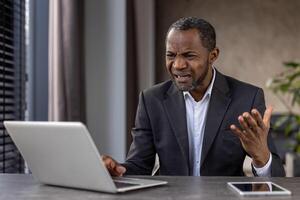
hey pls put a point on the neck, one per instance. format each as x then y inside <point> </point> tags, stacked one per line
<point>199,92</point>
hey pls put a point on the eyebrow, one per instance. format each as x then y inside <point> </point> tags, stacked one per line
<point>183,53</point>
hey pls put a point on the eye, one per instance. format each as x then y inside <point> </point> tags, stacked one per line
<point>170,55</point>
<point>190,56</point>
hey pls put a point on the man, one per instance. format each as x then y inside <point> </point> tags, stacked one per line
<point>201,122</point>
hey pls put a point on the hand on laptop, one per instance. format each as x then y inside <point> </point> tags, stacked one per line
<point>114,168</point>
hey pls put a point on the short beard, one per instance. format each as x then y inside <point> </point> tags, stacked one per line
<point>195,83</point>
<point>186,88</point>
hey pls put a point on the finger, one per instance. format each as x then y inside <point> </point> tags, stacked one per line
<point>118,170</point>
<point>238,132</point>
<point>113,172</point>
<point>121,170</point>
<point>114,168</point>
<point>244,124</point>
<point>258,118</point>
<point>267,116</point>
<point>112,164</point>
<point>251,122</point>
<point>107,161</point>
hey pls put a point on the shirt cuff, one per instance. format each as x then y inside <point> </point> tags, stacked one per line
<point>265,170</point>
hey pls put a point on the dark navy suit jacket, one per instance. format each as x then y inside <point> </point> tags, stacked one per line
<point>161,128</point>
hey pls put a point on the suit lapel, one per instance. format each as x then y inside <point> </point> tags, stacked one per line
<point>219,102</point>
<point>176,112</point>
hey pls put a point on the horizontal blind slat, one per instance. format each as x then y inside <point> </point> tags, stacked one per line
<point>12,72</point>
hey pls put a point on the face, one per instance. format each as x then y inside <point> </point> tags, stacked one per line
<point>188,62</point>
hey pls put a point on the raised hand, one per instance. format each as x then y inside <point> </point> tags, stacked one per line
<point>253,135</point>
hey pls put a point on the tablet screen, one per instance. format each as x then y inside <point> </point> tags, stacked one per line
<point>258,188</point>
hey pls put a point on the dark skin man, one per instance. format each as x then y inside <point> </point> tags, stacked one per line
<point>189,63</point>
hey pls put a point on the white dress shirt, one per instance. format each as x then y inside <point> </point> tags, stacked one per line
<point>196,113</point>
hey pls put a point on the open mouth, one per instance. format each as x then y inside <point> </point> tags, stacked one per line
<point>182,77</point>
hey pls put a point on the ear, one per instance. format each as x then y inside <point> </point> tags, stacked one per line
<point>213,55</point>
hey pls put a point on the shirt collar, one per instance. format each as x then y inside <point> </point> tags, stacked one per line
<point>186,94</point>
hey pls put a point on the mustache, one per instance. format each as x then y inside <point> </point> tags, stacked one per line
<point>181,73</point>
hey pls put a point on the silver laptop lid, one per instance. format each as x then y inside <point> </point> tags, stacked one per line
<point>61,153</point>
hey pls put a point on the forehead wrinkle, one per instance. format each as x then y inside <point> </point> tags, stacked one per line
<point>183,41</point>
<point>179,47</point>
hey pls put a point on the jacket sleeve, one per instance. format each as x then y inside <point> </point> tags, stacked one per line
<point>276,166</point>
<point>141,156</point>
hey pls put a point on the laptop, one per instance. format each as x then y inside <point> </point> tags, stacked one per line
<point>64,154</point>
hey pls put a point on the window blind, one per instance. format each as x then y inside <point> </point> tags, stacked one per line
<point>12,79</point>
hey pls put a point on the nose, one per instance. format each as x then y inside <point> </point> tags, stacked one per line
<point>179,63</point>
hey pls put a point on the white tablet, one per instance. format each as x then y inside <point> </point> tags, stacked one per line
<point>258,188</point>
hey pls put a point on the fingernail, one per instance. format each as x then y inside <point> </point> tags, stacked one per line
<point>121,169</point>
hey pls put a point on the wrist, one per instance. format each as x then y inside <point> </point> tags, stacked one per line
<point>261,160</point>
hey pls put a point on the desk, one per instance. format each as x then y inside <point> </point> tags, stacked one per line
<point>15,187</point>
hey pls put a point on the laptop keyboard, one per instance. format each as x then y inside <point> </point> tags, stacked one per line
<point>124,184</point>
